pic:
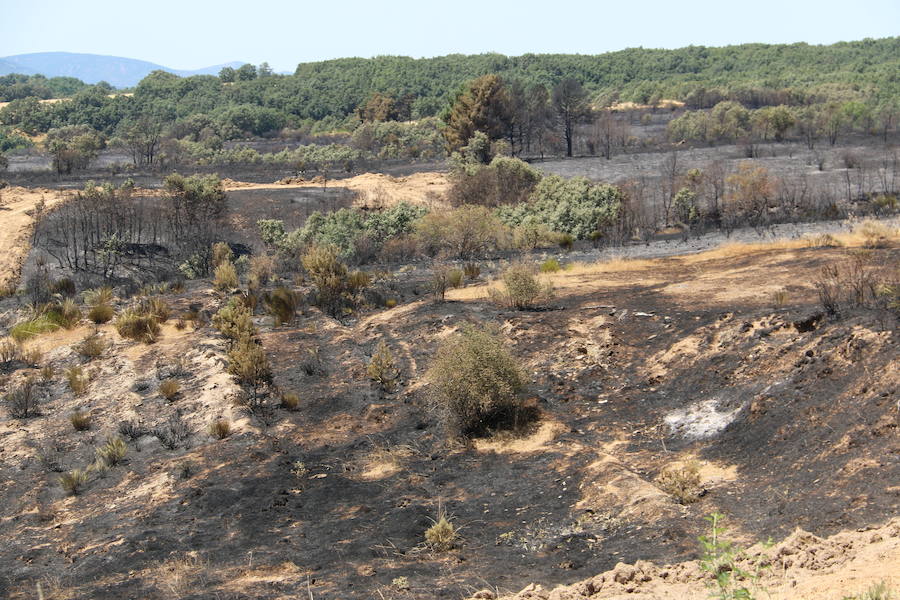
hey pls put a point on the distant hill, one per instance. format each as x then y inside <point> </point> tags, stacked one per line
<point>117,71</point>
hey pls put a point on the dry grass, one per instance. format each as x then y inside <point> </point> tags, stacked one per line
<point>220,429</point>
<point>290,401</point>
<point>169,389</point>
<point>112,453</point>
<point>443,535</point>
<point>77,380</point>
<point>73,481</point>
<point>81,421</point>
<point>92,346</point>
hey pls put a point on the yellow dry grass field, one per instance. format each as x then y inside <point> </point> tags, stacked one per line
<point>580,276</point>
<point>375,190</point>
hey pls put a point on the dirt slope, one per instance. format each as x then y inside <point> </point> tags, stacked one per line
<point>802,566</point>
<point>634,366</point>
<point>17,206</point>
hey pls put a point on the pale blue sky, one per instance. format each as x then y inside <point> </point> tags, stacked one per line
<point>189,34</point>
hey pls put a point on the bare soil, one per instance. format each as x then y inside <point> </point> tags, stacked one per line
<point>17,215</point>
<point>634,367</point>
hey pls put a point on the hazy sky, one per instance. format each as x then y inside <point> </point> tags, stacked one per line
<point>189,34</point>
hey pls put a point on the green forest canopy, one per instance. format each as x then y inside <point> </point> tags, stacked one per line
<point>330,91</point>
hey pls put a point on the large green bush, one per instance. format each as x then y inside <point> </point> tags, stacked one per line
<point>574,206</point>
<point>476,384</point>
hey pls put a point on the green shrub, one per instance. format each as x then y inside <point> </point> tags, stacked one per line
<point>551,265</point>
<point>234,321</point>
<point>476,384</point>
<point>521,289</point>
<point>573,206</point>
<point>382,369</point>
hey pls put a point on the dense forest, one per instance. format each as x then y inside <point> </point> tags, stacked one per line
<point>852,85</point>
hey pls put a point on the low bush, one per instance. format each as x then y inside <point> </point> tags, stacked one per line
<point>131,430</point>
<point>440,281</point>
<point>64,287</point>
<point>282,304</point>
<point>682,482</point>
<point>443,535</point>
<point>290,401</point>
<point>382,369</point>
<point>551,265</point>
<point>262,269</point>
<point>102,313</point>
<point>476,383</point>
<point>248,363</point>
<point>472,271</point>
<point>92,346</point>
<point>225,276</point>
<point>77,380</point>
<point>10,352</point>
<point>455,277</point>
<point>520,289</point>
<point>21,401</point>
<point>172,433</point>
<point>336,289</point>
<point>234,321</point>
<point>32,357</point>
<point>221,253</point>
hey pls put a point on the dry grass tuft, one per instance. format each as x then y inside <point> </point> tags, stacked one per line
<point>169,388</point>
<point>443,535</point>
<point>81,421</point>
<point>73,481</point>
<point>220,429</point>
